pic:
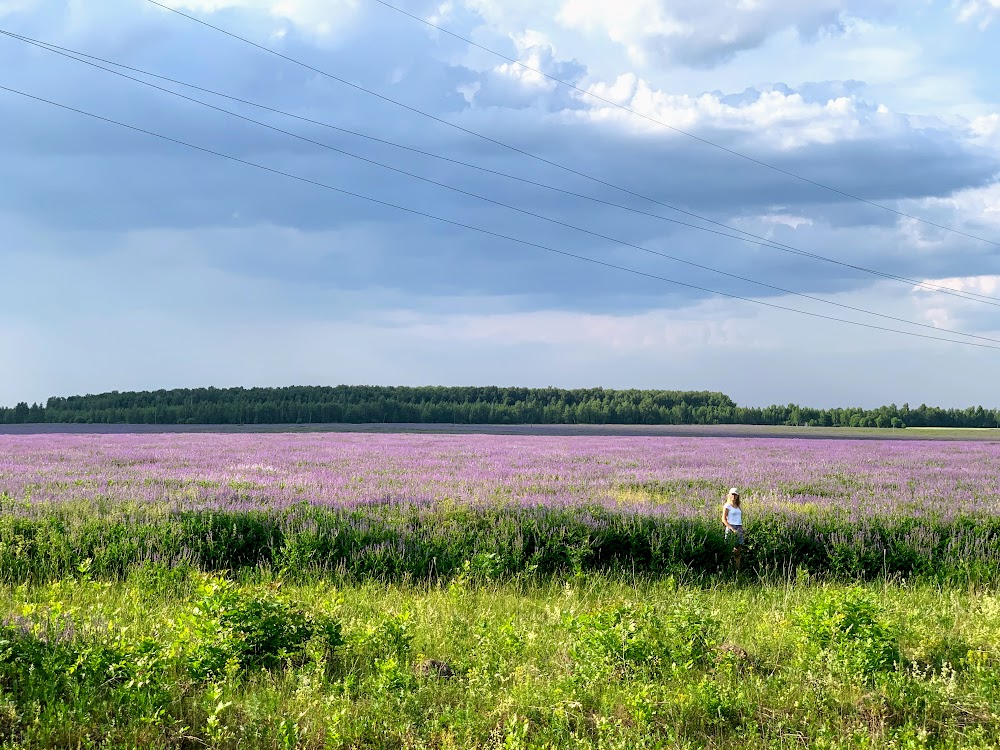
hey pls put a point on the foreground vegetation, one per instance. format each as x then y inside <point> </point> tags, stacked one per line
<point>466,405</point>
<point>171,658</point>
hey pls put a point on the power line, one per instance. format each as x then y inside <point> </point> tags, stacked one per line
<point>543,160</point>
<point>518,209</point>
<point>705,141</point>
<point>748,236</point>
<point>488,232</point>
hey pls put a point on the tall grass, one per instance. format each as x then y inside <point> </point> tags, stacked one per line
<point>399,541</point>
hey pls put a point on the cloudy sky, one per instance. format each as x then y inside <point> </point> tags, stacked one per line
<point>129,262</point>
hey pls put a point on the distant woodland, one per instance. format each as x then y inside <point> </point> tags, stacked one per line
<point>465,405</point>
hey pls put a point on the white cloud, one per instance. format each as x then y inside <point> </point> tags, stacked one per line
<point>988,285</point>
<point>787,220</point>
<point>535,61</point>
<point>954,312</point>
<point>987,129</point>
<point>694,32</point>
<point>9,7</point>
<point>978,205</point>
<point>980,12</point>
<point>779,116</point>
<point>319,17</point>
<point>230,277</point>
<point>528,82</point>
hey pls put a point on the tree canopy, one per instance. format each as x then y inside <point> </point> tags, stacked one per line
<point>464,405</point>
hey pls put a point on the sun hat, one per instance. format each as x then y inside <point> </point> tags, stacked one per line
<point>733,491</point>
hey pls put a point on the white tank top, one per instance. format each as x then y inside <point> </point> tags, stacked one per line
<point>735,515</point>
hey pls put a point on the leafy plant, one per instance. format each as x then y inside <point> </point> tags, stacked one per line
<point>238,629</point>
<point>848,627</point>
<point>634,639</point>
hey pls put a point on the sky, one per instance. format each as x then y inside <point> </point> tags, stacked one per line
<point>129,262</point>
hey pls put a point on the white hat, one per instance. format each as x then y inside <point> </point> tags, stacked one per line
<point>733,491</point>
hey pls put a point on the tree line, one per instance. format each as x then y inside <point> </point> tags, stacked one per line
<point>465,405</point>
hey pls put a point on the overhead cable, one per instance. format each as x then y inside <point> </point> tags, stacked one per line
<point>498,235</point>
<point>680,131</point>
<point>515,149</point>
<point>525,212</point>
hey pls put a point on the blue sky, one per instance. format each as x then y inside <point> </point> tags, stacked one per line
<point>132,263</point>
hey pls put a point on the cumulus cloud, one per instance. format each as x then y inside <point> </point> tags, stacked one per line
<point>974,210</point>
<point>826,130</point>
<point>528,84</point>
<point>700,34</point>
<point>789,119</point>
<point>980,12</point>
<point>955,312</point>
<point>988,285</point>
<point>986,129</point>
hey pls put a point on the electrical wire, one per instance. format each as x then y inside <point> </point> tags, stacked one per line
<point>748,237</point>
<point>488,232</point>
<point>526,212</point>
<point>698,138</point>
<point>455,126</point>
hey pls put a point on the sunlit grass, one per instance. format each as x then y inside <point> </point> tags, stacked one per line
<point>517,676</point>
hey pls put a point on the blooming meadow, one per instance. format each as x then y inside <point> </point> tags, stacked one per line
<point>425,505</point>
<point>318,591</point>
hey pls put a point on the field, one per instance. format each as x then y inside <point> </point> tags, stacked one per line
<point>384,590</point>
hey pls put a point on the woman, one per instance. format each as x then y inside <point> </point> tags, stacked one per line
<point>732,519</point>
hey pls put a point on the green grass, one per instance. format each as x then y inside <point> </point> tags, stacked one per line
<point>175,659</point>
<point>410,542</point>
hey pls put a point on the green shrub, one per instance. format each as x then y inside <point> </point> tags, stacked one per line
<point>53,662</point>
<point>390,637</point>
<point>847,627</point>
<point>638,639</point>
<point>483,542</point>
<point>720,703</point>
<point>238,629</point>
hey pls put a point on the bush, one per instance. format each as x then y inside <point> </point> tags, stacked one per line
<point>55,661</point>
<point>642,640</point>
<point>848,628</point>
<point>237,629</point>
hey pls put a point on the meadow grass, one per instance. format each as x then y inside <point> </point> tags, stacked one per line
<point>595,661</point>
<point>404,541</point>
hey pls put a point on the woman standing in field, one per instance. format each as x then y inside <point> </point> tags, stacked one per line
<point>732,519</point>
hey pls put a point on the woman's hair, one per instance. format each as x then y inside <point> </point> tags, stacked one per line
<point>735,500</point>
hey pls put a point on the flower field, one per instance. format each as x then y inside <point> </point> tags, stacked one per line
<point>427,505</point>
<point>340,592</point>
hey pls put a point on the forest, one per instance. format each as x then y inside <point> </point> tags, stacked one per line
<point>465,405</point>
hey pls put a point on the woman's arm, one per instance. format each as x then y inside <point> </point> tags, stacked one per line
<point>725,516</point>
